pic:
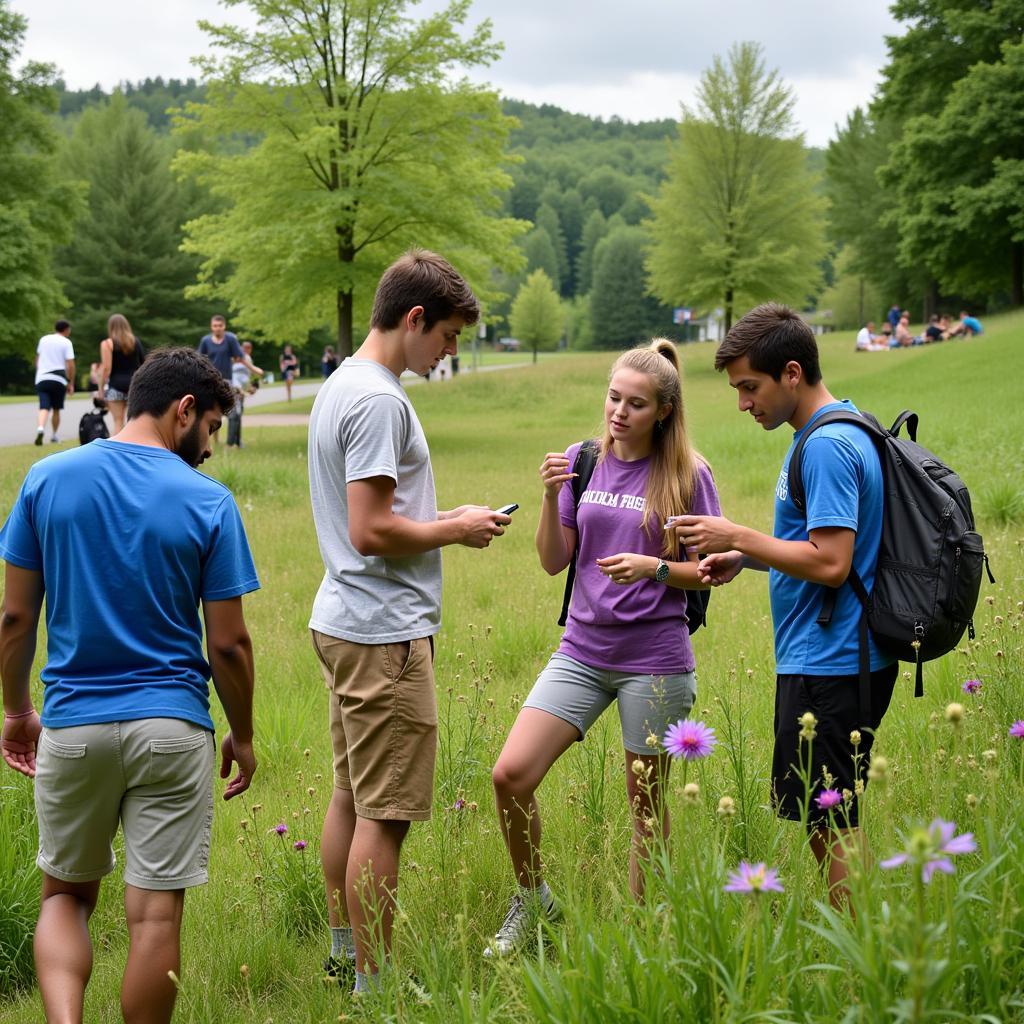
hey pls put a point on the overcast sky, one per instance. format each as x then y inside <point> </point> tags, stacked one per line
<point>638,59</point>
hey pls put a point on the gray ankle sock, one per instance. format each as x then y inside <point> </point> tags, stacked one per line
<point>342,943</point>
<point>367,982</point>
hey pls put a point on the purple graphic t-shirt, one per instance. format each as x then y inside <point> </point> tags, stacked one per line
<point>642,627</point>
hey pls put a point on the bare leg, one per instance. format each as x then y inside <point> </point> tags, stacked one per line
<point>647,805</point>
<point>63,949</point>
<point>41,418</point>
<point>335,844</point>
<point>55,421</point>
<point>117,415</point>
<point>372,887</point>
<point>834,851</point>
<point>154,949</point>
<point>536,742</point>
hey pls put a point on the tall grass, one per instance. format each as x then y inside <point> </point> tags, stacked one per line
<point>949,951</point>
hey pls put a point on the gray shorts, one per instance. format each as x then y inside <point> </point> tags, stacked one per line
<point>154,776</point>
<point>113,395</point>
<point>578,694</point>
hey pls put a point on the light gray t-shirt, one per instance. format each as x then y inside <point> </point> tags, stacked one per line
<point>363,425</point>
<point>53,351</point>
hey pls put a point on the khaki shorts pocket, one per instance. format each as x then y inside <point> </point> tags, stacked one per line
<point>68,751</point>
<point>165,760</point>
<point>178,746</point>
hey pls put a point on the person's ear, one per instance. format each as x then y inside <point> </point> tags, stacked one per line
<point>186,404</point>
<point>794,373</point>
<point>414,319</point>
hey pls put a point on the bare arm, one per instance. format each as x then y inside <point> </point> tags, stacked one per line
<point>19,620</point>
<point>374,529</point>
<point>230,652</point>
<point>825,557</point>
<point>69,369</point>
<point>555,543</point>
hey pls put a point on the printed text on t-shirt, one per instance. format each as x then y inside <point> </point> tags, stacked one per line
<point>636,502</point>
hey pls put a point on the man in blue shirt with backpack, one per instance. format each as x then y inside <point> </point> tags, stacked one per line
<point>819,767</point>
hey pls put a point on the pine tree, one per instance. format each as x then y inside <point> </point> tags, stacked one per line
<point>125,255</point>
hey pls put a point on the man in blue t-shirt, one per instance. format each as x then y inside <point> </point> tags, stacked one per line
<point>222,348</point>
<point>819,764</point>
<point>126,734</point>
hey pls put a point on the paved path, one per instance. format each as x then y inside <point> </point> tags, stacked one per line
<point>18,419</point>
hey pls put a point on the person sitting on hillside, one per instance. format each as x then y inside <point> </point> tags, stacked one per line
<point>902,338</point>
<point>966,327</point>
<point>868,341</point>
<point>934,331</point>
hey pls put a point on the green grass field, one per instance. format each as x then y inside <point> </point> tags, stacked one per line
<point>950,951</point>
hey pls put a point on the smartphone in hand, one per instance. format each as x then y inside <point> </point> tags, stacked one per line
<point>507,510</point>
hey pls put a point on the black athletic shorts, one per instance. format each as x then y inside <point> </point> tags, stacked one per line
<point>51,394</point>
<point>835,703</point>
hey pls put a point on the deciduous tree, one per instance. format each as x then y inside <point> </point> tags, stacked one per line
<point>537,317</point>
<point>38,204</point>
<point>369,140</point>
<point>738,219</point>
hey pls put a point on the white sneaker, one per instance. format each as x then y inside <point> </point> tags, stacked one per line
<point>520,923</point>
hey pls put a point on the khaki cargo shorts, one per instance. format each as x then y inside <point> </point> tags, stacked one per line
<point>153,775</point>
<point>383,717</point>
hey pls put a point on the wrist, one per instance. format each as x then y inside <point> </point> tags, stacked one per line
<point>20,714</point>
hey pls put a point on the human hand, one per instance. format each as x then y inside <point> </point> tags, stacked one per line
<point>243,755</point>
<point>554,471</point>
<point>627,568</point>
<point>19,740</point>
<point>706,534</point>
<point>480,525</point>
<point>715,570</point>
<point>454,513</point>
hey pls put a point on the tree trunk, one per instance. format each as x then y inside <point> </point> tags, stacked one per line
<point>345,301</point>
<point>728,310</point>
<point>535,352</point>
<point>931,299</point>
<point>1017,280</point>
<point>344,324</point>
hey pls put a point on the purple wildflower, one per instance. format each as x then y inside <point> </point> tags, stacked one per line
<point>299,844</point>
<point>754,878</point>
<point>690,740</point>
<point>828,798</point>
<point>971,686</point>
<point>281,829</point>
<point>459,805</point>
<point>932,848</point>
<point>1017,729</point>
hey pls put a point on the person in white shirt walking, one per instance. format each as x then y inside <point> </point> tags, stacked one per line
<point>55,377</point>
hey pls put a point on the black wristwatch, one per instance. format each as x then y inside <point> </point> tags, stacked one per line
<point>661,573</point>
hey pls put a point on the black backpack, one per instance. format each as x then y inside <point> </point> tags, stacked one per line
<point>91,426</point>
<point>583,467</point>
<point>930,557</point>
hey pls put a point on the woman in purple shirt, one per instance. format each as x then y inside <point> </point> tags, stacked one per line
<point>626,639</point>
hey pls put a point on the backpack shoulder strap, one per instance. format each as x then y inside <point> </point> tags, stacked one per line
<point>795,476</point>
<point>583,466</point>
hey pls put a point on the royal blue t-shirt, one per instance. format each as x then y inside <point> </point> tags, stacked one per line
<point>129,539</point>
<point>843,484</point>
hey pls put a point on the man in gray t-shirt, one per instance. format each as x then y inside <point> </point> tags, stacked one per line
<point>379,605</point>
